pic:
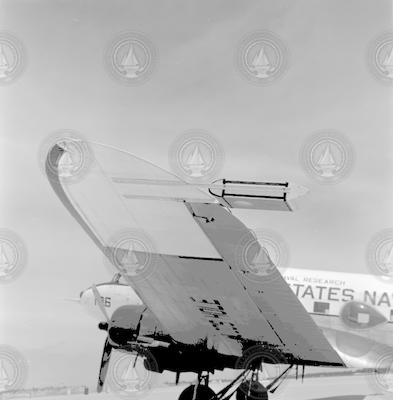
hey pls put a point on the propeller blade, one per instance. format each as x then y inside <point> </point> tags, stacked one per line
<point>106,354</point>
<point>138,327</point>
<point>99,301</point>
<point>72,299</point>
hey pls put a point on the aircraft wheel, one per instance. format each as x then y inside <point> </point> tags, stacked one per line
<point>251,391</point>
<point>203,393</point>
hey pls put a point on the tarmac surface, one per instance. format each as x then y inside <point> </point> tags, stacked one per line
<point>357,387</point>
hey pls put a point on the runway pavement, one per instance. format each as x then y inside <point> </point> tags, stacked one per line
<point>357,387</point>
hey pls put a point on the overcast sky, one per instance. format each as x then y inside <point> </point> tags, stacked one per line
<point>195,84</point>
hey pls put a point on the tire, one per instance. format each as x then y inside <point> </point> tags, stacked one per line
<point>256,392</point>
<point>203,393</point>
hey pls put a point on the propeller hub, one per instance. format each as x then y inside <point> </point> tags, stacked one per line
<point>120,336</point>
<point>103,326</point>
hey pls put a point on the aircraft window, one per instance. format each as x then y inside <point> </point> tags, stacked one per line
<point>391,315</point>
<point>360,316</point>
<point>321,307</point>
<point>363,318</point>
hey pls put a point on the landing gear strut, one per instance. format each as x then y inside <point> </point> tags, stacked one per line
<point>199,391</point>
<point>246,387</point>
<point>252,389</point>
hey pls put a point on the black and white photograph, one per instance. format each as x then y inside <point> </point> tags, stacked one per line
<point>196,199</point>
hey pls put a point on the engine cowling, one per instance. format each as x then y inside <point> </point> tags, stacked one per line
<point>130,322</point>
<point>123,325</point>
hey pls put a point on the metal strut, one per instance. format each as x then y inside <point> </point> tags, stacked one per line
<point>201,378</point>
<point>220,395</point>
<point>281,378</point>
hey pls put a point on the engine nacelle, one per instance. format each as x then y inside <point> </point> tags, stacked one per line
<point>123,325</point>
<point>124,330</point>
<point>358,351</point>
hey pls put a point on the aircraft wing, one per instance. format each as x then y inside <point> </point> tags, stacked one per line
<point>199,285</point>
